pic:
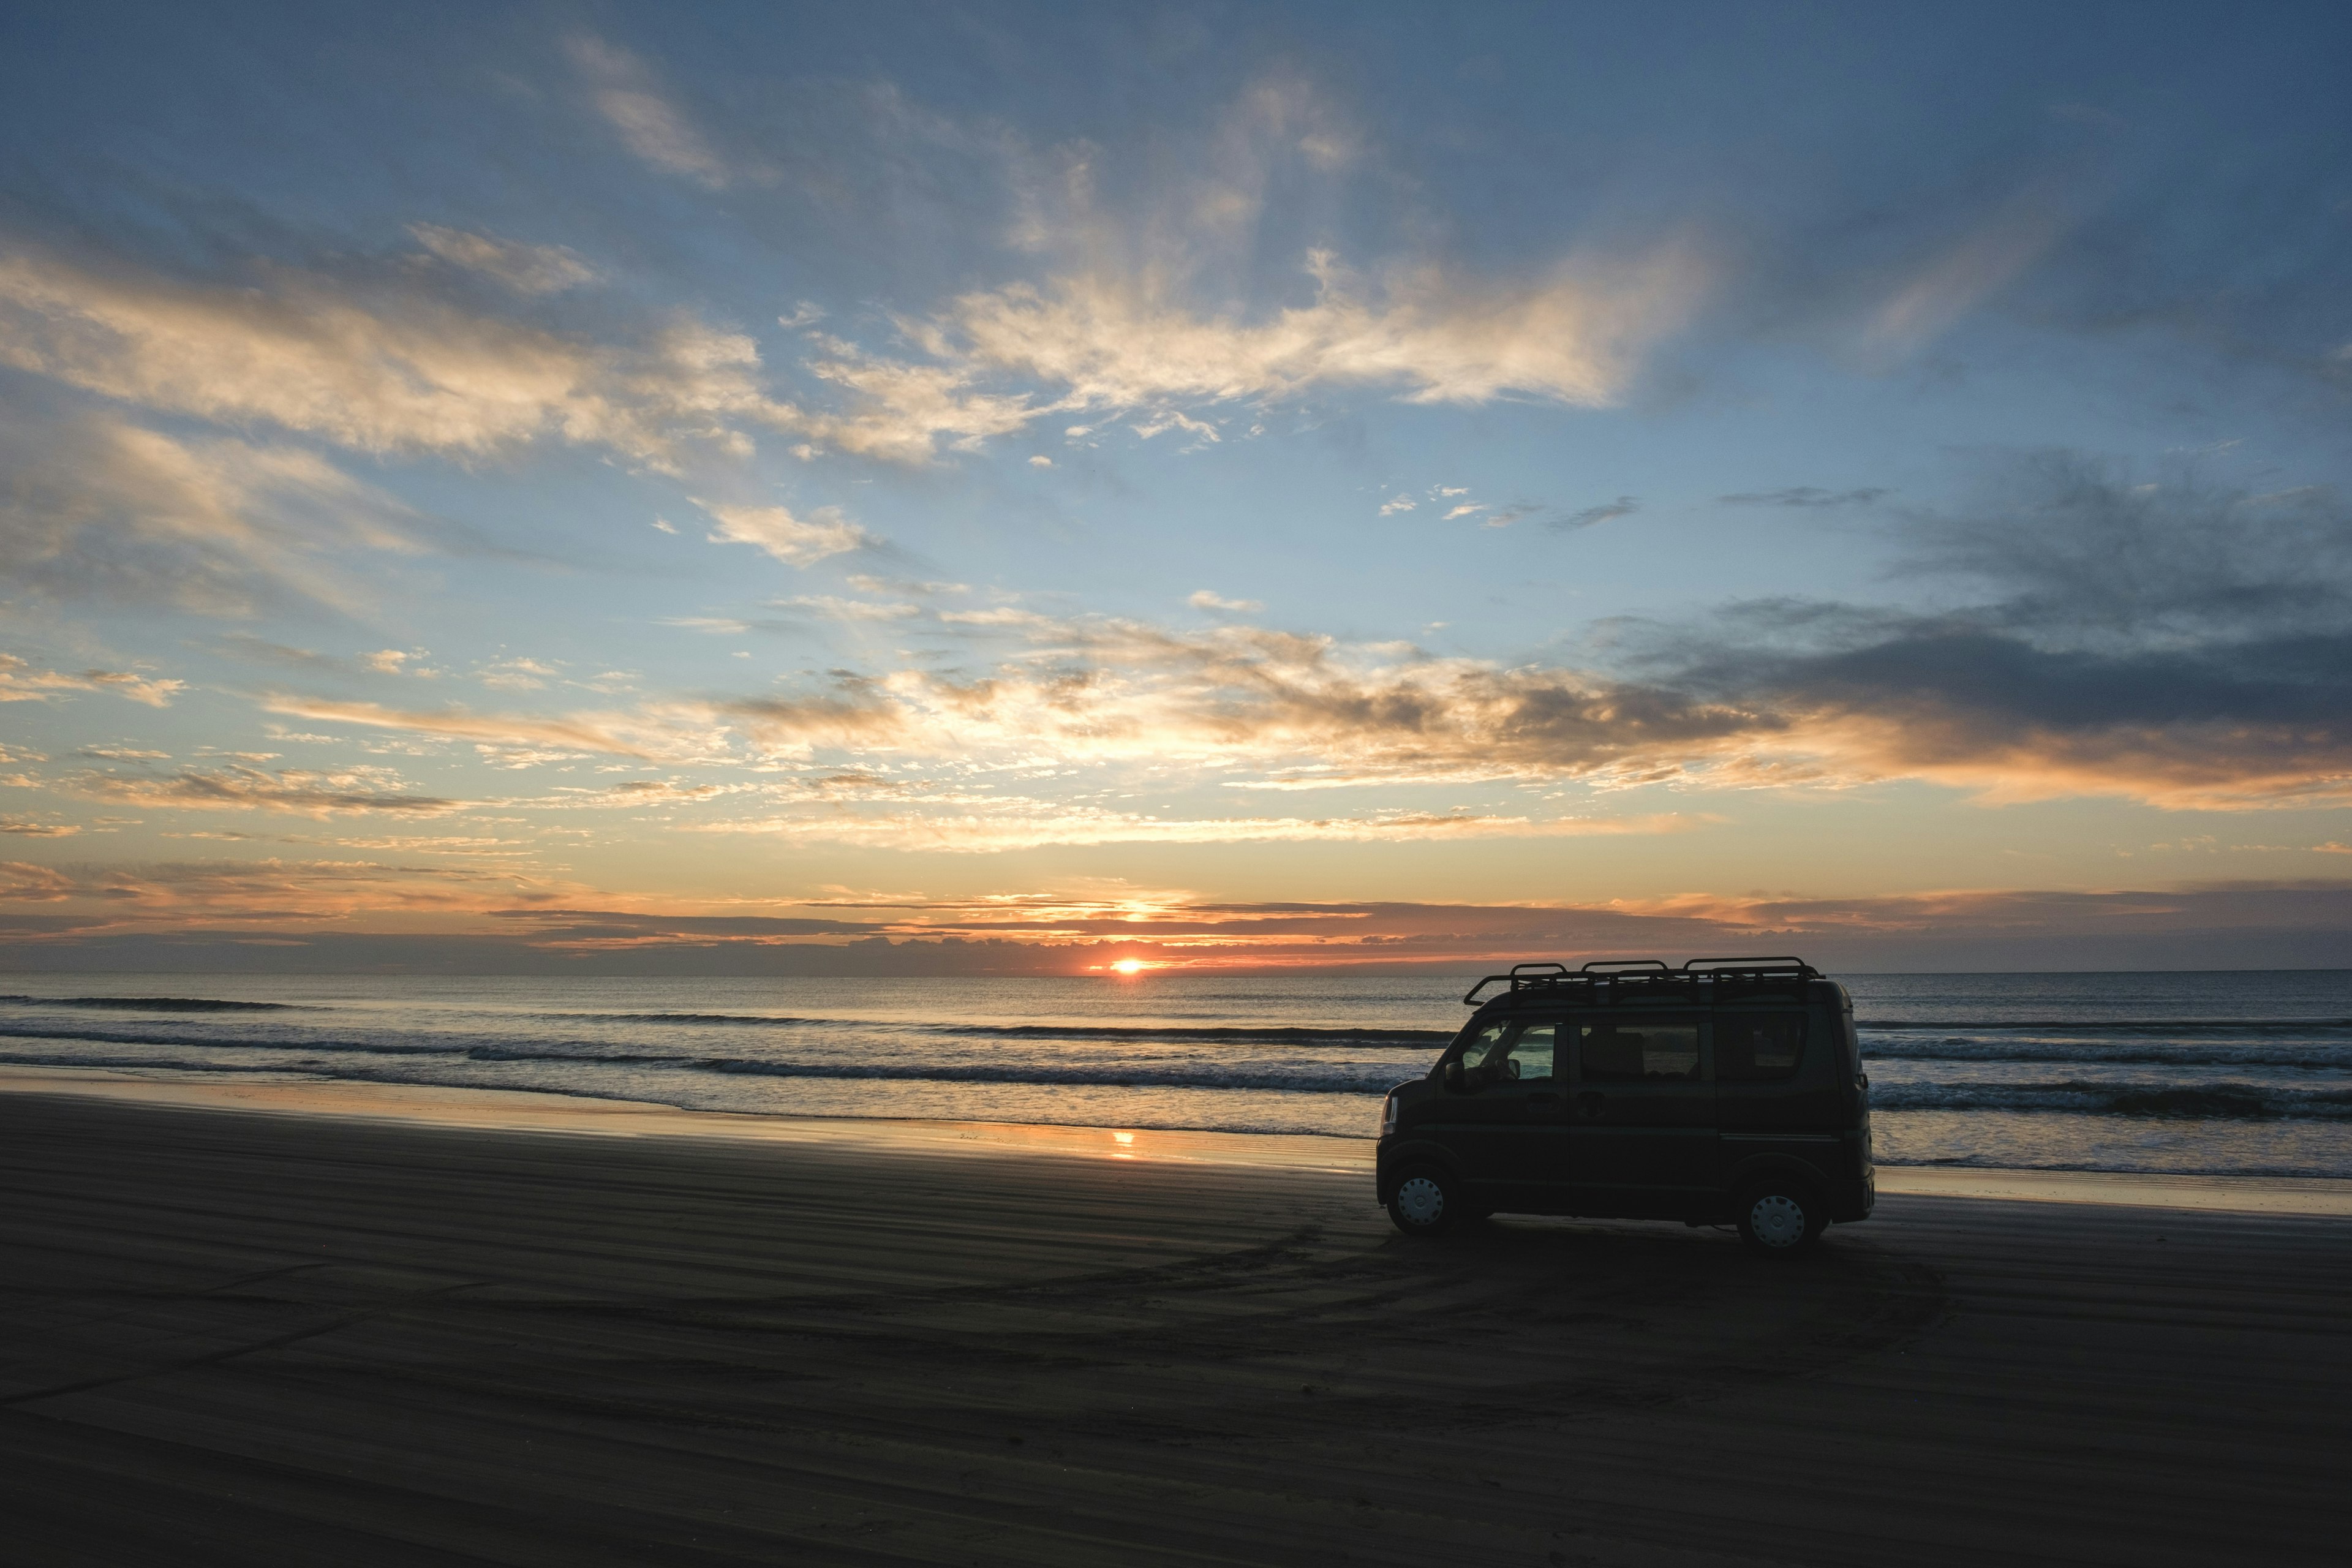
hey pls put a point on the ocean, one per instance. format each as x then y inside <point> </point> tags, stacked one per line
<point>2225,1073</point>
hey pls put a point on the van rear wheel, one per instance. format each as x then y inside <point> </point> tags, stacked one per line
<point>1427,1201</point>
<point>1779,1218</point>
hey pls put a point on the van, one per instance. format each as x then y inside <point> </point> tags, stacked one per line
<point>1729,1090</point>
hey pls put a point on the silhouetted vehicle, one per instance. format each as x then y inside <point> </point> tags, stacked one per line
<point>1729,1090</point>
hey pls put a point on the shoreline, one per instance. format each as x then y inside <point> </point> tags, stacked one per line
<point>521,1111</point>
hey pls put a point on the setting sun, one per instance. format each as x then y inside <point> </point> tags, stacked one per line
<point>1129,966</point>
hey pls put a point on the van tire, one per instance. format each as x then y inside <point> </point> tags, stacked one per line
<point>1779,1217</point>
<point>1427,1201</point>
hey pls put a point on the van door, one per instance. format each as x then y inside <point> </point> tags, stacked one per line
<point>1496,1126</point>
<point>1779,1090</point>
<point>1641,1136</point>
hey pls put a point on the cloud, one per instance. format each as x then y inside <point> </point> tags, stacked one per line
<point>856,716</point>
<point>238,787</point>
<point>286,899</point>
<point>519,674</point>
<point>1041,461</point>
<point>2158,642</point>
<point>1593,516</point>
<point>142,689</point>
<point>900,412</point>
<point>1968,270</point>
<point>526,268</point>
<point>1207,600</point>
<point>1397,504</point>
<point>627,93</point>
<point>1092,690</point>
<point>101,508</point>
<point>1467,509</point>
<point>796,542</point>
<point>21,682</point>
<point>2162,640</point>
<point>613,734</point>
<point>1116,342</point>
<point>382,370</point>
<point>1030,823</point>
<point>838,609</point>
<point>488,919</point>
<point>1138,321</point>
<point>1807,496</point>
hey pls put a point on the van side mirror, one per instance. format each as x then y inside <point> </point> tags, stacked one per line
<point>1455,1080</point>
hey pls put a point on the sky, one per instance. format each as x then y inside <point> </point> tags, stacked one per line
<point>895,488</point>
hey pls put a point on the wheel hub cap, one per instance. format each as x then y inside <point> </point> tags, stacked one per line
<point>1421,1200</point>
<point>1777,1220</point>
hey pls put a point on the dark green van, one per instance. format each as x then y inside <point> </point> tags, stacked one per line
<point>1728,1090</point>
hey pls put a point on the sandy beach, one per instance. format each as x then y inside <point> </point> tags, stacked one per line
<point>241,1336</point>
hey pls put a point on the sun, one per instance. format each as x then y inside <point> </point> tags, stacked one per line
<point>1129,966</point>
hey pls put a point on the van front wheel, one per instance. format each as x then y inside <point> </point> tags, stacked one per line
<point>1427,1202</point>
<point>1779,1218</point>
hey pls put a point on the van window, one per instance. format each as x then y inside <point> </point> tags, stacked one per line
<point>1512,1053</point>
<point>1488,1042</point>
<point>1750,1046</point>
<point>1646,1051</point>
<point>1531,1053</point>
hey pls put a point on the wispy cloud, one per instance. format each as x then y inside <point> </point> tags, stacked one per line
<point>1809,497</point>
<point>526,268</point>
<point>834,608</point>
<point>794,541</point>
<point>101,508</point>
<point>1112,342</point>
<point>630,97</point>
<point>237,787</point>
<point>613,734</point>
<point>1593,516</point>
<point>1028,824</point>
<point>1208,599</point>
<point>1967,271</point>
<point>385,371</point>
<point>20,681</point>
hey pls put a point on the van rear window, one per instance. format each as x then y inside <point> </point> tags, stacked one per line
<point>1650,1051</point>
<point>1756,1045</point>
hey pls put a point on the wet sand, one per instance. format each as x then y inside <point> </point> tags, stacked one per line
<point>237,1337</point>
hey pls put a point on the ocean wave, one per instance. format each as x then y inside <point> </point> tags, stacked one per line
<point>2308,1055</point>
<point>232,1042</point>
<point>2105,1026</point>
<point>1183,1034</point>
<point>510,1048</point>
<point>152,1004</point>
<point>1159,1075</point>
<point>2210,1102</point>
<point>1364,1081</point>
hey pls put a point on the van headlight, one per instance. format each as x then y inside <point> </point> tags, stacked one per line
<point>1388,1116</point>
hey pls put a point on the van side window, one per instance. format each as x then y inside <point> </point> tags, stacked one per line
<point>1488,1042</point>
<point>1641,1050</point>
<point>1531,1053</point>
<point>1512,1053</point>
<point>1751,1046</point>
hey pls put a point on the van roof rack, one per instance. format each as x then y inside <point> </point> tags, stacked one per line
<point>1644,975</point>
<point>1749,965</point>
